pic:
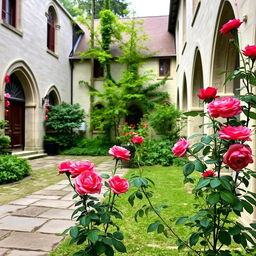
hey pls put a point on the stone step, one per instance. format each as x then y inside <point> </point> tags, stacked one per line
<point>34,156</point>
<point>25,153</point>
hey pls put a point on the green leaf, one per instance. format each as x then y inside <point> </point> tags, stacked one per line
<point>194,239</point>
<point>85,220</point>
<point>225,184</point>
<point>109,251</point>
<point>198,148</point>
<point>206,150</point>
<point>205,223</point>
<point>227,196</point>
<point>131,199</point>
<point>181,220</point>
<point>188,169</point>
<point>153,226</point>
<point>93,236</point>
<point>119,246</point>
<point>215,183</point>
<point>199,166</point>
<point>196,135</point>
<point>105,176</point>
<point>160,228</point>
<point>203,182</point>
<point>118,235</point>
<point>234,230</point>
<point>206,140</point>
<point>191,113</point>
<point>214,198</point>
<point>224,237</point>
<point>237,205</point>
<point>139,195</point>
<point>250,199</point>
<point>74,232</point>
<point>247,206</point>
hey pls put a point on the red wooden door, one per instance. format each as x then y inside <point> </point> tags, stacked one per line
<point>16,124</point>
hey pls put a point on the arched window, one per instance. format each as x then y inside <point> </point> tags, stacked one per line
<point>9,9</point>
<point>184,32</point>
<point>51,29</point>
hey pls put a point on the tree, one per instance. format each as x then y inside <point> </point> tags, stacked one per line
<point>76,7</point>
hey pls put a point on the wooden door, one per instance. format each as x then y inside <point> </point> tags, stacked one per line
<point>16,124</point>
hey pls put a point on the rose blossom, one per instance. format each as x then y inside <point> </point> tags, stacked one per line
<point>235,133</point>
<point>88,183</point>
<point>209,173</point>
<point>208,93</point>
<point>64,167</point>
<point>250,51</point>
<point>229,26</point>
<point>118,185</point>
<point>46,118</point>
<point>180,148</point>
<point>6,112</point>
<point>225,107</point>
<point>76,168</point>
<point>7,79</point>
<point>120,153</point>
<point>238,157</point>
<point>47,111</point>
<point>7,95</point>
<point>137,140</point>
<point>7,103</point>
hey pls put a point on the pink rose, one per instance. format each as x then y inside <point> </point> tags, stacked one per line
<point>225,107</point>
<point>7,103</point>
<point>46,118</point>
<point>209,173</point>
<point>235,133</point>
<point>7,95</point>
<point>7,79</point>
<point>238,157</point>
<point>137,140</point>
<point>231,25</point>
<point>118,185</point>
<point>76,168</point>
<point>120,153</point>
<point>64,167</point>
<point>88,183</point>
<point>47,104</point>
<point>180,148</point>
<point>47,111</point>
<point>208,93</point>
<point>250,51</point>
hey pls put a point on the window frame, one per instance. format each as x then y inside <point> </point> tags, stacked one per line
<point>9,12</point>
<point>98,69</point>
<point>51,29</point>
<point>165,62</point>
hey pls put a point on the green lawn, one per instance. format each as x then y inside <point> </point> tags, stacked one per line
<point>39,179</point>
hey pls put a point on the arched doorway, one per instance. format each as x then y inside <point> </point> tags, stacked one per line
<point>225,56</point>
<point>16,113</point>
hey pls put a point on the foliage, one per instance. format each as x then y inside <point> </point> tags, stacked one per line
<point>63,119</point>
<point>91,147</point>
<point>48,138</point>
<point>4,140</point>
<point>164,120</point>
<point>13,168</point>
<point>78,7</point>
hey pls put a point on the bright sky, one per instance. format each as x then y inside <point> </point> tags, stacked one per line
<point>150,7</point>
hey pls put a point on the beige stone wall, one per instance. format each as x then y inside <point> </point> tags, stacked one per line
<point>26,46</point>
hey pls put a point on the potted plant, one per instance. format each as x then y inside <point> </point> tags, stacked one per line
<point>51,146</point>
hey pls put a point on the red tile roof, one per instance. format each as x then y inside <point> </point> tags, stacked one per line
<point>161,42</point>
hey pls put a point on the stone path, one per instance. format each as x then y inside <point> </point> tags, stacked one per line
<point>29,226</point>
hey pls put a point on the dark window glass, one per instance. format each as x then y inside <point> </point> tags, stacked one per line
<point>51,30</point>
<point>164,67</point>
<point>98,70</point>
<point>9,12</point>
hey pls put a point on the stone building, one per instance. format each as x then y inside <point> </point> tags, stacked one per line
<point>203,53</point>
<point>36,41</point>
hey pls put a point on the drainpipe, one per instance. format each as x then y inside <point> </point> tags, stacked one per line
<point>72,83</point>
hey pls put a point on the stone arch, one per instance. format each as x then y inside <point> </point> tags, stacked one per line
<point>51,5</point>
<point>53,95</point>
<point>224,56</point>
<point>32,103</point>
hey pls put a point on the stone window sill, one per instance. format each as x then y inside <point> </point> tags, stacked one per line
<point>13,29</point>
<point>52,53</point>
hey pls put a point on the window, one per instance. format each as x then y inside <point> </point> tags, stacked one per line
<point>164,67</point>
<point>9,12</point>
<point>51,29</point>
<point>98,70</point>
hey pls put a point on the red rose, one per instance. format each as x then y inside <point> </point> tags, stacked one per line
<point>7,103</point>
<point>64,167</point>
<point>208,93</point>
<point>125,123</point>
<point>180,148</point>
<point>238,157</point>
<point>88,183</point>
<point>46,118</point>
<point>6,112</point>
<point>225,107</point>
<point>118,185</point>
<point>231,25</point>
<point>7,95</point>
<point>7,79</point>
<point>47,111</point>
<point>209,173</point>
<point>76,168</point>
<point>120,153</point>
<point>250,51</point>
<point>235,133</point>
<point>137,140</point>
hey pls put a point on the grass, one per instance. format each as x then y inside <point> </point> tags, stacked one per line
<point>39,179</point>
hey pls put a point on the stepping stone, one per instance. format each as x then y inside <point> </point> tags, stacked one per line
<point>69,196</point>
<point>27,253</point>
<point>20,223</point>
<point>3,234</point>
<point>24,201</point>
<point>31,211</point>
<point>4,209</point>
<point>68,188</point>
<point>50,192</point>
<point>56,187</point>
<point>44,197</point>
<point>56,226</point>
<point>63,182</point>
<point>31,241</point>
<point>54,203</point>
<point>2,251</point>
<point>57,214</point>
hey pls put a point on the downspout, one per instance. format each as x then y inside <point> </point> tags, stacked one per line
<point>72,82</point>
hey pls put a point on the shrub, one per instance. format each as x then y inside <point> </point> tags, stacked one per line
<point>13,168</point>
<point>63,119</point>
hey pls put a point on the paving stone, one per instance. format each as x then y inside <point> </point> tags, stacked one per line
<point>69,196</point>
<point>56,187</point>
<point>26,253</point>
<point>51,192</point>
<point>3,233</point>
<point>24,201</point>
<point>56,226</point>
<point>54,203</point>
<point>57,214</point>
<point>44,197</point>
<point>63,182</point>
<point>68,188</point>
<point>20,223</point>
<point>31,241</point>
<point>31,211</point>
<point>2,251</point>
<point>4,209</point>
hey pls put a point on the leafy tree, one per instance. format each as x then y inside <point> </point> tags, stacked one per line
<point>118,7</point>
